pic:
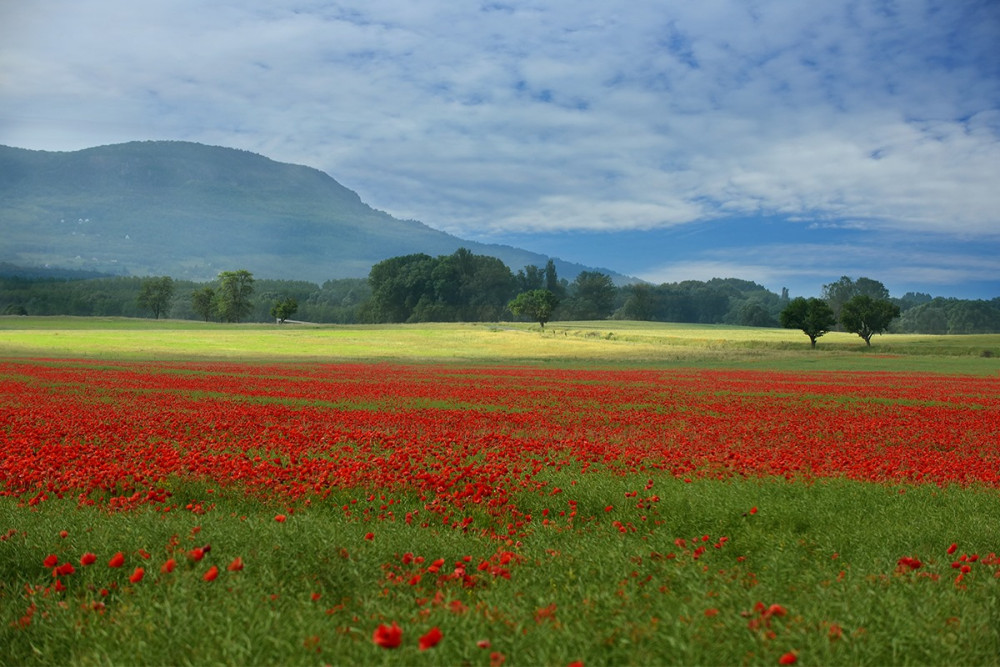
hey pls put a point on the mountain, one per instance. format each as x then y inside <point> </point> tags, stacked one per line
<point>189,211</point>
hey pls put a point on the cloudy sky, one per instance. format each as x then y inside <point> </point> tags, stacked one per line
<point>783,141</point>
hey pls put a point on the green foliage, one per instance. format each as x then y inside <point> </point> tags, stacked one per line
<point>592,297</point>
<point>813,316</point>
<point>838,293</point>
<point>232,300</point>
<point>866,316</point>
<point>203,302</point>
<point>537,305</point>
<point>457,287</point>
<point>950,316</point>
<point>156,294</point>
<point>284,309</point>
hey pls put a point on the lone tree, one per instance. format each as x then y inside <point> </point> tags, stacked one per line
<point>537,304</point>
<point>203,302</point>
<point>155,294</point>
<point>233,297</point>
<point>813,316</point>
<point>866,316</point>
<point>284,309</point>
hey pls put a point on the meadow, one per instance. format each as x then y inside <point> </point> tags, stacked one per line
<point>590,493</point>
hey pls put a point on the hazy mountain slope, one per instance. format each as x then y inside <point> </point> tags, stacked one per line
<point>190,210</point>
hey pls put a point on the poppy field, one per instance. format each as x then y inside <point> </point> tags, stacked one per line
<point>178,512</point>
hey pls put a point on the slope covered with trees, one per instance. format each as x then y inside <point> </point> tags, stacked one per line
<point>188,211</point>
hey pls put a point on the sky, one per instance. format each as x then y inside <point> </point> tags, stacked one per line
<point>780,141</point>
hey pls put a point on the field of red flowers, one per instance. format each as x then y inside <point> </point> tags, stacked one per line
<point>467,475</point>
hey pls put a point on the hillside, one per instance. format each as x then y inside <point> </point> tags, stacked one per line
<point>189,211</point>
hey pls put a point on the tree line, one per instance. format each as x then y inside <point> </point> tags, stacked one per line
<point>468,287</point>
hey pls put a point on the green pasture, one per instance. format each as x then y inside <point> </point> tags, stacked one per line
<point>610,343</point>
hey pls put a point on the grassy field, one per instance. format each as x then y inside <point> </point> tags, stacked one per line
<point>620,343</point>
<point>597,493</point>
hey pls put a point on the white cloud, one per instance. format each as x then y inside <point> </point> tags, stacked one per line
<point>545,116</point>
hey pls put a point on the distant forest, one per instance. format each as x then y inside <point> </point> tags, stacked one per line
<point>475,288</point>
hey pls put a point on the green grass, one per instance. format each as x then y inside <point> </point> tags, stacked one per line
<point>611,343</point>
<point>314,588</point>
<point>605,587</point>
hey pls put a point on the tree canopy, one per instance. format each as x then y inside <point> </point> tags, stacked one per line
<point>866,316</point>
<point>537,305</point>
<point>155,295</point>
<point>813,316</point>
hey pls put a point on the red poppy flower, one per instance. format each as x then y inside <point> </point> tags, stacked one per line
<point>388,637</point>
<point>236,565</point>
<point>789,658</point>
<point>369,536</point>
<point>117,560</point>
<point>51,560</point>
<point>63,534</point>
<point>169,566</point>
<point>952,548</point>
<point>280,518</point>
<point>430,639</point>
<point>65,569</point>
<point>212,573</point>
<point>196,554</point>
<point>88,559</point>
<point>137,575</point>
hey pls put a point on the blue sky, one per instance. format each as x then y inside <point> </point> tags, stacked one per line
<point>784,142</point>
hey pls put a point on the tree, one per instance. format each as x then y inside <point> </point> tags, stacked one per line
<point>233,299</point>
<point>838,293</point>
<point>866,316</point>
<point>203,302</point>
<point>284,309</point>
<point>813,316</point>
<point>593,296</point>
<point>537,304</point>
<point>155,294</point>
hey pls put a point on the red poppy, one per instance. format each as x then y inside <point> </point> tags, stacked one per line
<point>117,560</point>
<point>388,637</point>
<point>196,554</point>
<point>280,518</point>
<point>169,566</point>
<point>51,560</point>
<point>65,569</point>
<point>137,575</point>
<point>369,536</point>
<point>236,565</point>
<point>430,639</point>
<point>952,548</point>
<point>789,658</point>
<point>212,573</point>
<point>63,534</point>
<point>88,559</point>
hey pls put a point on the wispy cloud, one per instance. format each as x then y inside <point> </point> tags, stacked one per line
<point>494,117</point>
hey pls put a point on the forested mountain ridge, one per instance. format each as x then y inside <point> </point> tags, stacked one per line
<point>189,211</point>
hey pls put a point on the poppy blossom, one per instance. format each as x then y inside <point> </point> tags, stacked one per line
<point>169,566</point>
<point>430,639</point>
<point>88,559</point>
<point>369,536</point>
<point>117,560</point>
<point>212,573</point>
<point>280,518</point>
<point>65,569</point>
<point>236,565</point>
<point>196,554</point>
<point>137,575</point>
<point>51,560</point>
<point>789,658</point>
<point>388,637</point>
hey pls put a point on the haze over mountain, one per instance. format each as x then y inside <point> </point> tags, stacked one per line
<point>189,211</point>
